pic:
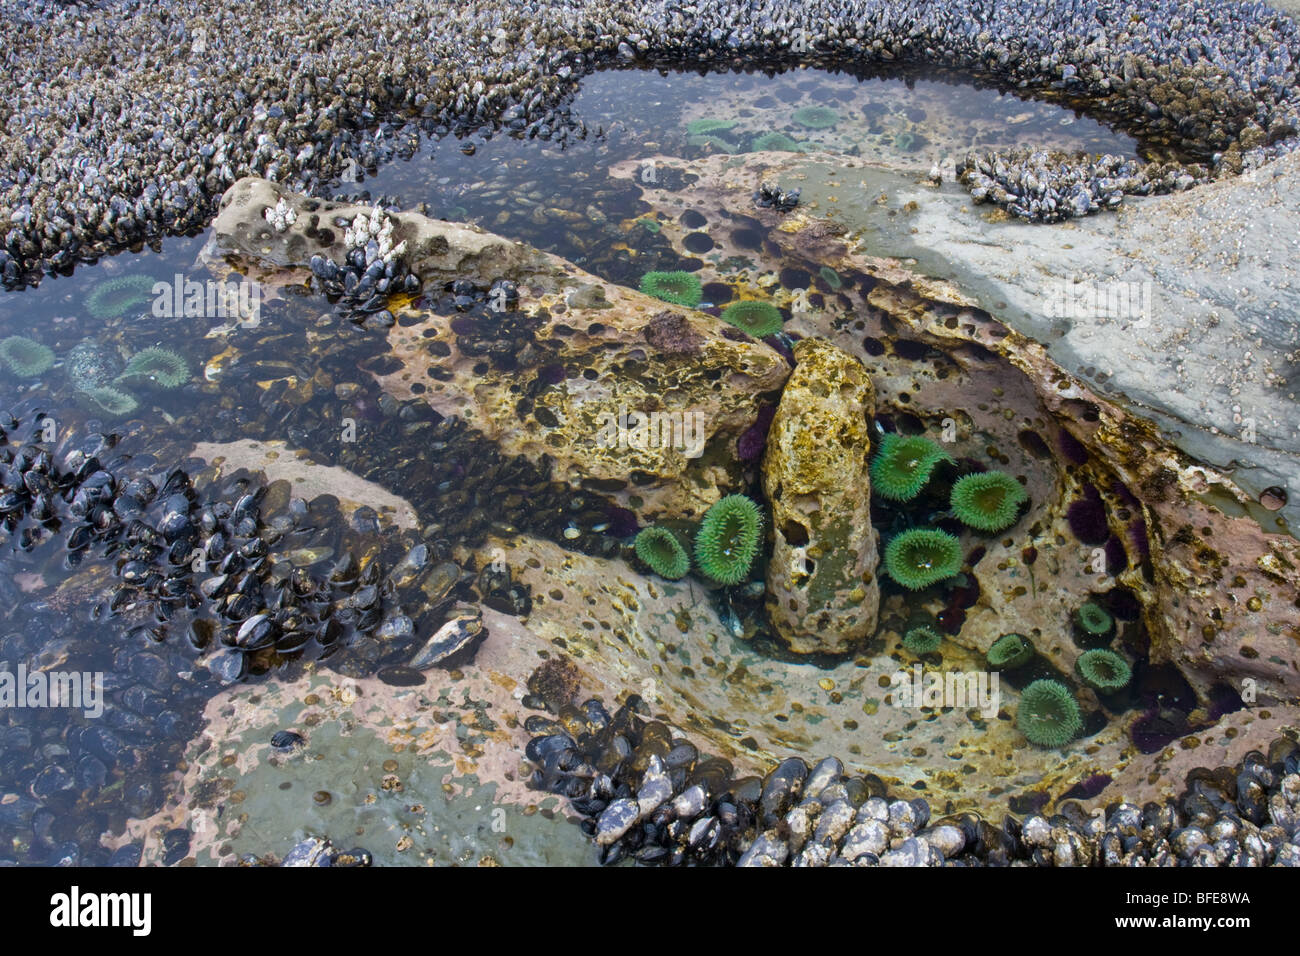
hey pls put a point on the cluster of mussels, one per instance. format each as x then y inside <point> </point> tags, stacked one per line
<point>213,562</point>
<point>767,196</point>
<point>314,851</point>
<point>373,268</point>
<point>292,90</point>
<point>1048,186</point>
<point>646,795</point>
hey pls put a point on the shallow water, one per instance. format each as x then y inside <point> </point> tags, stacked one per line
<point>296,374</point>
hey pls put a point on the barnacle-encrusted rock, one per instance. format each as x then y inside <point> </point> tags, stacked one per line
<point>821,581</point>
<point>614,385</point>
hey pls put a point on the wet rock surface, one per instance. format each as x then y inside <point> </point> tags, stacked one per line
<point>592,373</point>
<point>821,580</point>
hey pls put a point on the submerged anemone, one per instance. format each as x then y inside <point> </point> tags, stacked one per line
<point>25,357</point>
<point>679,288</point>
<point>160,366</point>
<point>708,125</point>
<point>1048,714</point>
<point>774,142</point>
<point>920,557</point>
<point>759,319</point>
<point>922,640</point>
<point>1103,670</point>
<point>815,117</point>
<point>112,400</point>
<point>1094,620</point>
<point>902,466</point>
<point>662,553</point>
<point>116,297</point>
<point>1009,652</point>
<point>987,501</point>
<point>728,539</point>
<point>830,276</point>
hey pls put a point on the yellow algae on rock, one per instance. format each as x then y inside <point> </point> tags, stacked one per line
<point>822,592</point>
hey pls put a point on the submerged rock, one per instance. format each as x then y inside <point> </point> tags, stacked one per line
<point>616,384</point>
<point>823,595</point>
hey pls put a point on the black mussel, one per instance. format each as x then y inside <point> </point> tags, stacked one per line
<point>286,740</point>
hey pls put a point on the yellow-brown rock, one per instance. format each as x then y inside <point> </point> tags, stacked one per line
<point>822,592</point>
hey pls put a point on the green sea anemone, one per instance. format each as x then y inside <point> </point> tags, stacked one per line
<point>25,357</point>
<point>1103,670</point>
<point>903,465</point>
<point>774,142</point>
<point>756,318</point>
<point>1009,652</point>
<point>1048,714</point>
<point>114,298</point>
<point>920,557</point>
<point>905,141</point>
<point>708,125</point>
<point>645,222</point>
<point>663,553</point>
<point>987,501</point>
<point>679,288</point>
<point>728,539</point>
<point>719,144</point>
<point>922,640</point>
<point>1094,621</point>
<point>831,276</point>
<point>815,117</point>
<point>112,400</point>
<point>160,366</point>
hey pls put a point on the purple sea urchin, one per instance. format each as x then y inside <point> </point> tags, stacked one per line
<point>1087,518</point>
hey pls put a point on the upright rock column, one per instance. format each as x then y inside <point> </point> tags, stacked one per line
<point>822,591</point>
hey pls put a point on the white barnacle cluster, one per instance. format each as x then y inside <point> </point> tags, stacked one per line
<point>280,216</point>
<point>376,226</point>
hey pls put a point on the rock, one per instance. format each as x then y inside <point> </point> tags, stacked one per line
<point>823,596</point>
<point>695,381</point>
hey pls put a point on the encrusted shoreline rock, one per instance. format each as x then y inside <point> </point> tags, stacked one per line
<point>823,595</point>
<point>559,374</point>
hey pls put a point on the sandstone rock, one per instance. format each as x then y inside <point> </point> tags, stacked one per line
<point>821,583</point>
<point>617,391</point>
